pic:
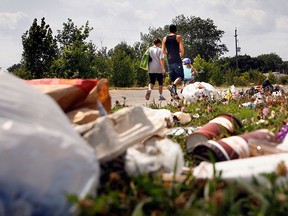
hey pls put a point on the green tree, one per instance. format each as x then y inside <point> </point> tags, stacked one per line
<point>271,62</point>
<point>199,36</point>
<point>200,65</point>
<point>77,59</point>
<point>285,70</point>
<point>141,76</point>
<point>71,33</point>
<point>271,77</point>
<point>40,49</point>
<point>102,64</point>
<point>256,77</point>
<point>14,67</point>
<point>230,75</point>
<point>147,39</point>
<point>123,65</point>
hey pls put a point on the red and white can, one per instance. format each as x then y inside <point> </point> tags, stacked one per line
<point>221,125</point>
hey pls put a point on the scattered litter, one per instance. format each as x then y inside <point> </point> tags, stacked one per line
<point>42,159</point>
<point>112,134</point>
<point>242,169</point>
<point>200,91</point>
<point>177,131</point>
<point>223,124</point>
<point>154,155</point>
<point>182,118</point>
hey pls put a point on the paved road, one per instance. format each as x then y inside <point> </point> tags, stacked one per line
<point>137,97</point>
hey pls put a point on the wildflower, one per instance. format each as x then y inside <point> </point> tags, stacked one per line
<point>281,169</point>
<point>196,115</point>
<point>209,109</point>
<point>282,133</point>
<point>272,115</point>
<point>265,111</point>
<point>261,121</point>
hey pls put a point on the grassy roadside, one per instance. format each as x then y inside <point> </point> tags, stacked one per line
<point>148,194</point>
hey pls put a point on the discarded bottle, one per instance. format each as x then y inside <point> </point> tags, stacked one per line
<point>259,142</point>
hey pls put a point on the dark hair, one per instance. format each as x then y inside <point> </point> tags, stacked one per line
<point>173,28</point>
<point>156,41</point>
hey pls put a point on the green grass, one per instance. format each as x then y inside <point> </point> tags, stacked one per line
<point>119,194</point>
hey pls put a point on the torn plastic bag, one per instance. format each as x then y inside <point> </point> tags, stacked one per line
<point>200,91</point>
<point>111,135</point>
<point>42,159</point>
<point>154,155</point>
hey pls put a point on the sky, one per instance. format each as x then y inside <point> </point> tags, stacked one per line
<point>262,25</point>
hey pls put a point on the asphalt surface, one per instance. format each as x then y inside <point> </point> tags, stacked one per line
<point>137,97</point>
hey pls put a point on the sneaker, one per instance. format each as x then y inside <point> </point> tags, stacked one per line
<point>161,98</point>
<point>147,96</point>
<point>172,89</point>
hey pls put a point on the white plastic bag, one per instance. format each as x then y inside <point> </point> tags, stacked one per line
<point>153,155</point>
<point>41,157</point>
<point>199,91</point>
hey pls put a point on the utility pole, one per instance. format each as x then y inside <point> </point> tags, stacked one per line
<point>236,46</point>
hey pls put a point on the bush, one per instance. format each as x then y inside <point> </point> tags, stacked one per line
<point>23,73</point>
<point>271,77</point>
<point>256,77</point>
<point>141,77</point>
<point>216,77</point>
<point>283,80</point>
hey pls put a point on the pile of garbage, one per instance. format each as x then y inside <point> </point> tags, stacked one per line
<point>55,134</point>
<point>200,91</point>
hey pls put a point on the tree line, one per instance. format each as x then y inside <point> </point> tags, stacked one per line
<point>69,54</point>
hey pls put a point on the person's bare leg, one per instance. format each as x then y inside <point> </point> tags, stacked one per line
<point>150,87</point>
<point>178,81</point>
<point>161,97</point>
<point>160,89</point>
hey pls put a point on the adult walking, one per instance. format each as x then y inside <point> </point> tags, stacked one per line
<point>172,46</point>
<point>156,69</point>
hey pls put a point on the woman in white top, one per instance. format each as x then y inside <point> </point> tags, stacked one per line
<point>156,69</point>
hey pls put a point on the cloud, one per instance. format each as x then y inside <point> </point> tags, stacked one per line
<point>10,21</point>
<point>282,23</point>
<point>262,24</point>
<point>256,15</point>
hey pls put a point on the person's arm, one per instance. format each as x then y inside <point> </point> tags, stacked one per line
<point>164,51</point>
<point>162,65</point>
<point>181,47</point>
<point>194,70</point>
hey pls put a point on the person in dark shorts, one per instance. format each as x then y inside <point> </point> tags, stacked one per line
<point>156,69</point>
<point>172,46</point>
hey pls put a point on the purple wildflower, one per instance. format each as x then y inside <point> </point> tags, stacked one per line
<point>282,133</point>
<point>265,111</point>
